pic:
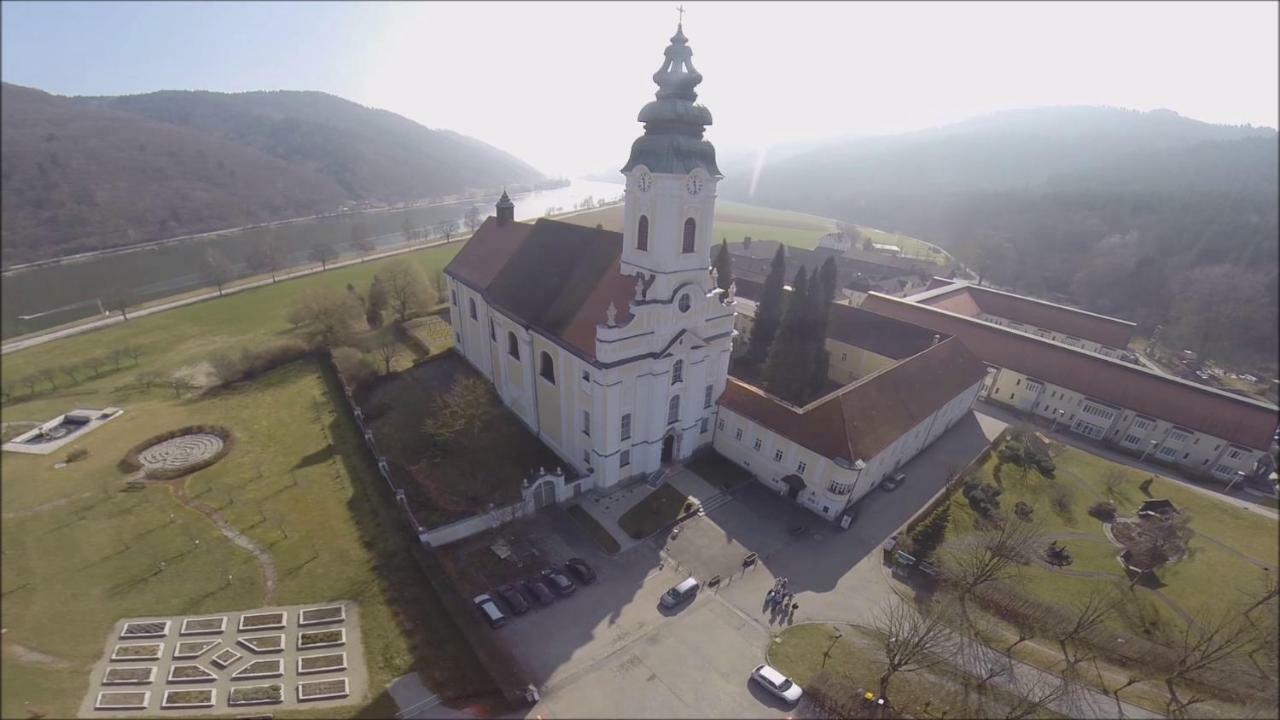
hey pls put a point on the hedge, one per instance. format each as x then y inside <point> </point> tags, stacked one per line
<point>130,463</point>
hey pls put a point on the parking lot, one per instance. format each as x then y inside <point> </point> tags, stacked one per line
<point>610,650</point>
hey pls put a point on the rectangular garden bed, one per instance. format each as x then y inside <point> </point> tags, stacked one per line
<point>263,621</point>
<point>322,615</point>
<point>263,643</point>
<point>310,639</point>
<point>203,626</point>
<point>204,697</point>
<point>137,651</point>
<point>129,675</point>
<point>190,674</point>
<point>145,629</point>
<point>328,662</point>
<point>322,689</point>
<point>256,694</point>
<point>260,669</point>
<point>225,658</point>
<point>123,700</point>
<point>192,649</point>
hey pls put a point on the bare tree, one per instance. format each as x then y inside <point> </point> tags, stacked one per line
<point>9,388</point>
<point>1037,694</point>
<point>323,252</point>
<point>361,241</point>
<point>914,638</point>
<point>386,349</point>
<point>1113,480</point>
<point>267,256</point>
<point>329,315</point>
<point>49,375</point>
<point>71,370</point>
<point>134,352</point>
<point>974,560</point>
<point>407,290</point>
<point>149,378</point>
<point>1209,643</point>
<point>180,384</point>
<point>117,356</point>
<point>217,268</point>
<point>94,363</point>
<point>354,365</point>
<point>1087,617</point>
<point>406,229</point>
<point>448,228</point>
<point>30,381</point>
<point>120,300</point>
<point>472,219</point>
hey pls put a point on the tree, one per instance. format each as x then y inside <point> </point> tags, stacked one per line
<point>329,315</point>
<point>134,352</point>
<point>386,350</point>
<point>94,363</point>
<point>149,378</point>
<point>30,381</point>
<point>914,638</point>
<point>1086,617</point>
<point>216,268</point>
<point>376,302</point>
<point>769,309</point>
<point>266,256</point>
<point>361,241</point>
<point>723,266</point>
<point>786,372</point>
<point>472,219</point>
<point>926,537</point>
<point>448,228</point>
<point>117,356</point>
<point>1214,640</point>
<point>120,300</point>
<point>459,418</point>
<point>986,556</point>
<point>354,365</point>
<point>323,252</point>
<point>407,290</point>
<point>822,293</point>
<point>180,384</point>
<point>406,229</point>
<point>49,375</point>
<point>71,370</point>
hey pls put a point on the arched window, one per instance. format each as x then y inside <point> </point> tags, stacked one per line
<point>677,372</point>
<point>690,227</point>
<point>545,368</point>
<point>513,347</point>
<point>673,410</point>
<point>471,307</point>
<point>642,234</point>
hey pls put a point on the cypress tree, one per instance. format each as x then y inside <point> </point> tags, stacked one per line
<point>768,310</point>
<point>824,292</point>
<point>723,266</point>
<point>786,373</point>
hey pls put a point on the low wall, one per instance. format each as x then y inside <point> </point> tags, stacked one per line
<point>564,490</point>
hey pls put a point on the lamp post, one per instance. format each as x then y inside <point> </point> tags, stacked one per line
<point>1238,477</point>
<point>1057,415</point>
<point>1154,443</point>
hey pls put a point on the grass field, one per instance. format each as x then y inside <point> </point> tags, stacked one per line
<point>81,552</point>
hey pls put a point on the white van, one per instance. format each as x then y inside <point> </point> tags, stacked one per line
<point>489,609</point>
<point>678,594</point>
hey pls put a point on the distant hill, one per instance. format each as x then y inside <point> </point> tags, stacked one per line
<point>1123,212</point>
<point>91,173</point>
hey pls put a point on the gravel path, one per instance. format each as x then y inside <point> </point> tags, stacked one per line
<point>265,562</point>
<point>35,657</point>
<point>41,508</point>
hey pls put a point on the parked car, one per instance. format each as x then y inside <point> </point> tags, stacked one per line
<point>558,581</point>
<point>515,600</point>
<point>489,609</point>
<point>892,482</point>
<point>686,589</point>
<point>580,570</point>
<point>538,591</point>
<point>777,683</point>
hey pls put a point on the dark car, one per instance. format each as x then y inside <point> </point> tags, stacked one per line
<point>558,582</point>
<point>892,482</point>
<point>535,589</point>
<point>581,570</point>
<point>515,600</point>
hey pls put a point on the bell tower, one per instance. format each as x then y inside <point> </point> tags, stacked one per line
<point>671,180</point>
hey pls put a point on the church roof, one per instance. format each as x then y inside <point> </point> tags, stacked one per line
<point>861,419</point>
<point>549,276</point>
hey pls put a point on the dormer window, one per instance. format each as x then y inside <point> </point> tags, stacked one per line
<point>690,229</point>
<point>642,233</point>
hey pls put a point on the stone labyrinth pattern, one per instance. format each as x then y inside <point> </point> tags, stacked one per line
<point>180,452</point>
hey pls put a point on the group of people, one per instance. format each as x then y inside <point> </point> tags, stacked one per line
<point>781,600</point>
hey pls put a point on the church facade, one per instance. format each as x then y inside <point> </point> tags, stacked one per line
<point>614,348</point>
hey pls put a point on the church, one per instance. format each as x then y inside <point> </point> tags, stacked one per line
<point>614,348</point>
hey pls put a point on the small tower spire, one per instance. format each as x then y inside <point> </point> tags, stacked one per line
<point>506,209</point>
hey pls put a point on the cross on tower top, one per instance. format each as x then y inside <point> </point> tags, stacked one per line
<point>681,11</point>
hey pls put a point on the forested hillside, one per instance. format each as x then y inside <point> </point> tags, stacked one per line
<point>85,174</point>
<point>1149,216</point>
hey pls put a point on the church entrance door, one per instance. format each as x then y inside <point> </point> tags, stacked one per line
<point>668,448</point>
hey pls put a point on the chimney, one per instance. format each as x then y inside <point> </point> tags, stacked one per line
<point>936,340</point>
<point>506,209</point>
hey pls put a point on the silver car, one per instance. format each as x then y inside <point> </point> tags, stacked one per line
<point>777,683</point>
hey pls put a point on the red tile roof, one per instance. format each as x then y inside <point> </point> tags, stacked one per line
<point>555,277</point>
<point>969,300</point>
<point>860,420</point>
<point>1232,418</point>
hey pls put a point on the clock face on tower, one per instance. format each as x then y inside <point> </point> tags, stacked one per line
<point>644,182</point>
<point>694,185</point>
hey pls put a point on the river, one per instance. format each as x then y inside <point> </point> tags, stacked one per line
<point>44,297</point>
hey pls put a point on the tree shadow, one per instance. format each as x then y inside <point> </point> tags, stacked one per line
<point>315,458</point>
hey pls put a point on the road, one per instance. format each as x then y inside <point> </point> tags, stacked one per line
<point>115,318</point>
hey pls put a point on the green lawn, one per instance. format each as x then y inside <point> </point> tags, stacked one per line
<point>657,510</point>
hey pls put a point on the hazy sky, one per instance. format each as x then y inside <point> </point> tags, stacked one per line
<point>559,84</point>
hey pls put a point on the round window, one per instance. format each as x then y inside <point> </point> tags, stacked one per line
<point>684,303</point>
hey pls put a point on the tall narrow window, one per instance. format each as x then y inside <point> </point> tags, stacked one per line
<point>706,399</point>
<point>673,409</point>
<point>545,367</point>
<point>690,229</point>
<point>586,423</point>
<point>493,332</point>
<point>513,347</point>
<point>677,372</point>
<point>642,233</point>
<point>471,307</point>
<point>626,426</point>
